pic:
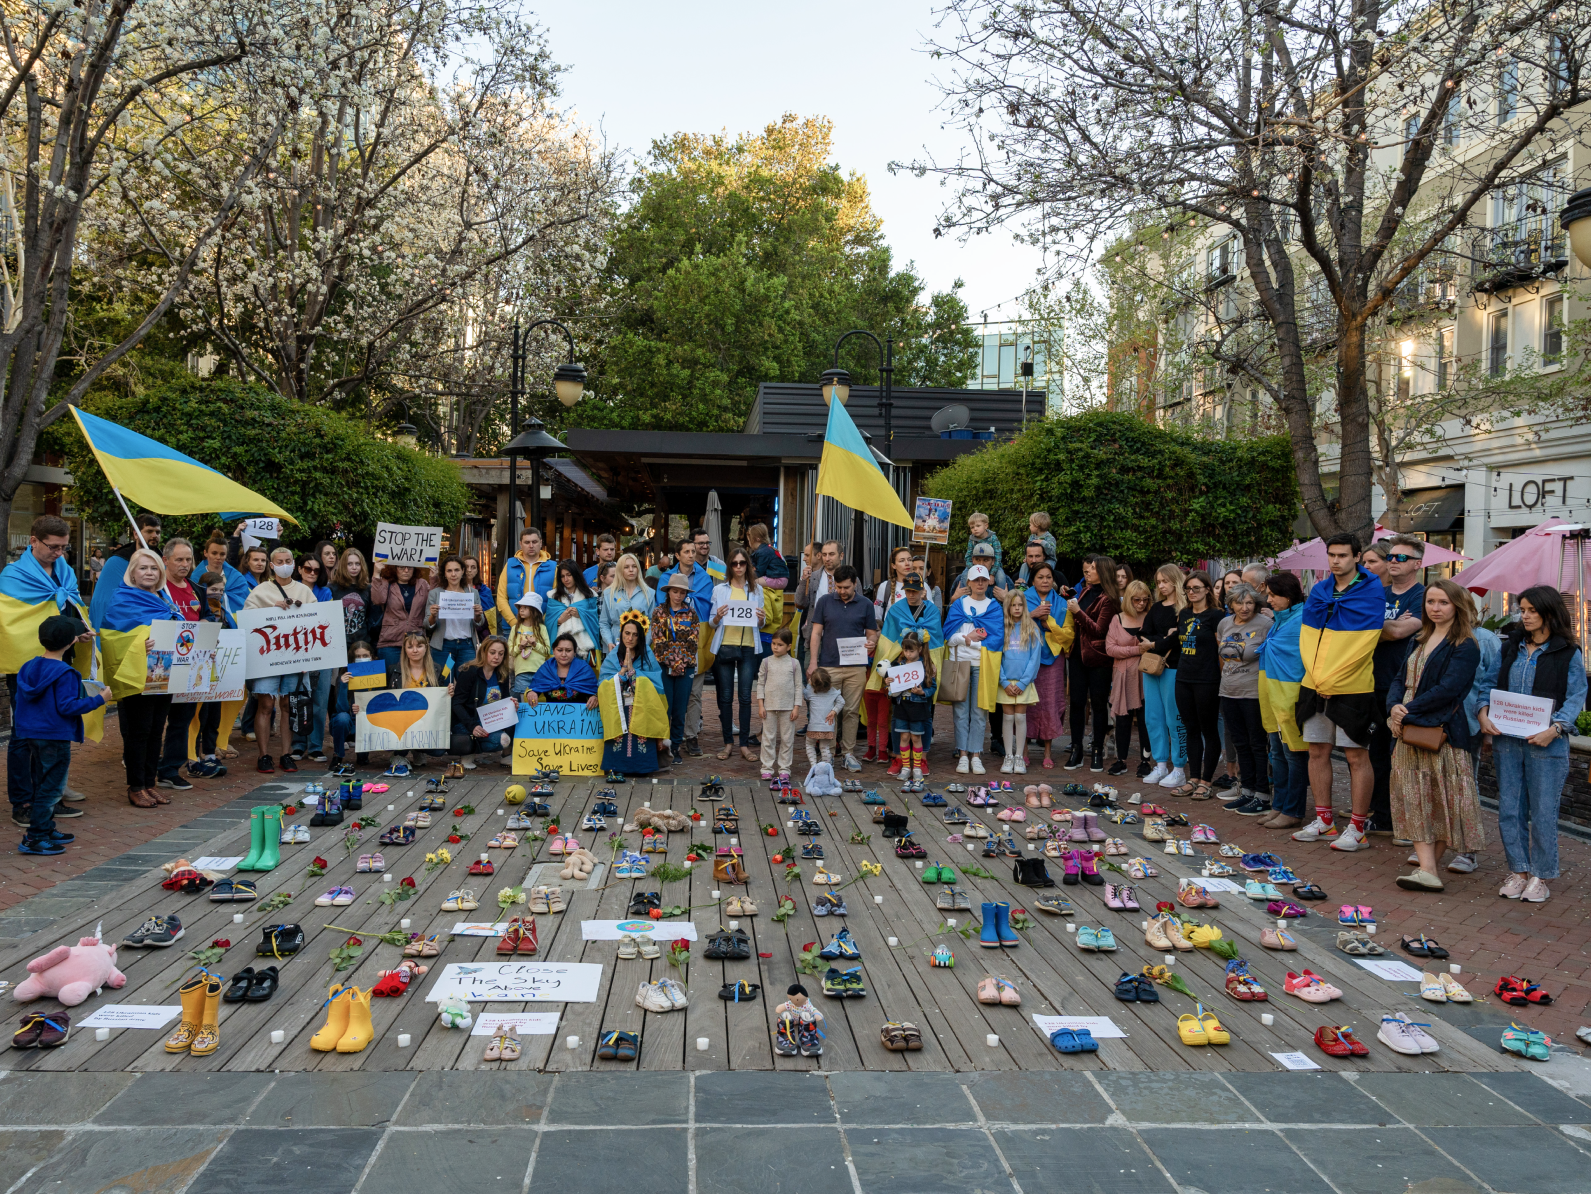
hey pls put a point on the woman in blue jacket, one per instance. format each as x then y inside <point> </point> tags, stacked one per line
<point>1434,800</point>
<point>1019,667</point>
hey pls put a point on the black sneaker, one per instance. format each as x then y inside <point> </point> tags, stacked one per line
<point>692,748</point>
<point>31,845</point>
<point>176,784</point>
<point>65,810</point>
<point>288,763</point>
<point>265,766</point>
<point>66,839</point>
<point>1223,783</point>
<point>316,756</point>
<point>1378,828</point>
<point>1233,805</point>
<point>1097,762</point>
<point>1255,808</point>
<point>1117,768</point>
<point>158,931</point>
<point>22,819</point>
<point>1075,759</point>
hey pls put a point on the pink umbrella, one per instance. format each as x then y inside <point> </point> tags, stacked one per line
<point>1313,554</point>
<point>1538,557</point>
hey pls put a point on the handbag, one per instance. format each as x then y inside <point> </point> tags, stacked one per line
<point>954,678</point>
<point>300,708</point>
<point>1431,738</point>
<point>1151,664</point>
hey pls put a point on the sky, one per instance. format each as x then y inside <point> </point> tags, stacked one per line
<point>638,71</point>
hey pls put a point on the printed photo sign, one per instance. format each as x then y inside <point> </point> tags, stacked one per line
<point>281,642</point>
<point>404,719</point>
<point>412,546</point>
<point>215,666</point>
<point>560,734</point>
<point>161,657</point>
<point>931,521</point>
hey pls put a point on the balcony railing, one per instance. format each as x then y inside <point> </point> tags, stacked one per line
<point>1429,287</point>
<point>1519,252</point>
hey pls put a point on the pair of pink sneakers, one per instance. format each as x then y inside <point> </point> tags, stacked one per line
<point>1012,813</point>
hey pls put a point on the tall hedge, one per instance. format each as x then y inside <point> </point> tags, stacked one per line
<point>323,468</point>
<point>1117,485</point>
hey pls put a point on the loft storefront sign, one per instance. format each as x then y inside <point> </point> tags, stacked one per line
<point>1551,489</point>
<point>282,642</point>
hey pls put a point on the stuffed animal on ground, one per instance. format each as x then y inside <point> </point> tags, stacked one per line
<point>659,818</point>
<point>72,972</point>
<point>821,781</point>
<point>578,865</point>
<point>454,1012</point>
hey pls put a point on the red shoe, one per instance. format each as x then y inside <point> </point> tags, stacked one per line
<point>871,755</point>
<point>923,769</point>
<point>894,766</point>
<point>1330,1042</point>
<point>1359,1049</point>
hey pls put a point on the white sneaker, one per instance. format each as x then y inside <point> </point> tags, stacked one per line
<point>1159,773</point>
<point>1007,765</point>
<point>977,765</point>
<point>917,773</point>
<point>851,764</point>
<point>961,765</point>
<point>1316,831</point>
<point>1021,766</point>
<point>1349,840</point>
<point>1176,779</point>
<point>675,992</point>
<point>467,764</point>
<point>1462,864</point>
<point>1535,891</point>
<point>1414,859</point>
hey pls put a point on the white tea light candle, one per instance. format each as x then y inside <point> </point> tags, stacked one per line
<point>403,1040</point>
<point>278,1036</point>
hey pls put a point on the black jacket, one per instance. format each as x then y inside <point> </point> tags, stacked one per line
<point>1445,682</point>
<point>470,688</point>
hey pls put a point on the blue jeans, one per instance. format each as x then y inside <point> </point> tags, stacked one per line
<point>393,658</point>
<point>1168,743</point>
<point>342,725</point>
<point>970,720</point>
<point>1530,783</point>
<point>677,692</point>
<point>461,649</point>
<point>1289,778</point>
<point>44,782</point>
<point>320,687</point>
<point>730,663</point>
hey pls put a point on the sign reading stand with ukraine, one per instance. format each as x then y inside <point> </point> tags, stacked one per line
<point>561,734</point>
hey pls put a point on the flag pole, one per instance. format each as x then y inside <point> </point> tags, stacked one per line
<point>129,513</point>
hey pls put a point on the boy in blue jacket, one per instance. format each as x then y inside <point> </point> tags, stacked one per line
<point>48,719</point>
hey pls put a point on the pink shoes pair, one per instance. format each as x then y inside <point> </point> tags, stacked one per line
<point>1311,988</point>
<point>1085,828</point>
<point>1121,898</point>
<point>1204,835</point>
<point>1080,866</point>
<point>559,844</point>
<point>1012,813</point>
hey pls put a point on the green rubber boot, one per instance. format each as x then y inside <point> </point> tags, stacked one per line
<point>256,838</point>
<point>271,835</point>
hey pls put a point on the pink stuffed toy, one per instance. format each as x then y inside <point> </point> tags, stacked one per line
<point>72,972</point>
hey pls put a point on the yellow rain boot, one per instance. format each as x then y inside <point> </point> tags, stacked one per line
<point>192,996</point>
<point>336,1020</point>
<point>360,1031</point>
<point>209,1038</point>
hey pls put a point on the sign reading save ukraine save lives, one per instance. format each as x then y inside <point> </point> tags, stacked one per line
<point>560,734</point>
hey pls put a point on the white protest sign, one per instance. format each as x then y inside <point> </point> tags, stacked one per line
<point>499,715</point>
<point>257,529</point>
<point>853,651</point>
<point>132,1015</point>
<point>404,719</point>
<point>1519,715</point>
<point>479,928</point>
<point>1390,969</point>
<point>282,642</point>
<point>1218,885</point>
<point>906,676</point>
<point>1295,1061</point>
<point>411,546</point>
<point>200,664</point>
<point>615,930</point>
<point>1101,1027</point>
<point>455,605</point>
<point>515,1023</point>
<point>217,862</point>
<point>740,613</point>
<point>518,982</point>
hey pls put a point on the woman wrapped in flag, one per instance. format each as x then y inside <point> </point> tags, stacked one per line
<point>913,614</point>
<point>630,695</point>
<point>573,609</point>
<point>1054,621</point>
<point>975,635</point>
<point>564,677</point>
<point>124,632</point>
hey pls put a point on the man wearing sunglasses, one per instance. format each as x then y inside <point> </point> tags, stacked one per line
<point>1405,596</point>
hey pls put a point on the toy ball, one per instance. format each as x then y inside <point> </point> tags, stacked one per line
<point>515,794</point>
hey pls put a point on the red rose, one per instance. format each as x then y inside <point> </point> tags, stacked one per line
<point>406,881</point>
<point>321,862</point>
<point>657,914</point>
<point>458,812</point>
<point>682,943</point>
<point>221,943</point>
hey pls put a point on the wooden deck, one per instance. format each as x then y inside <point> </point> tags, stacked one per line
<point>1051,973</point>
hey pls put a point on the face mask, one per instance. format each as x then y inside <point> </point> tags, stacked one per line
<point>283,570</point>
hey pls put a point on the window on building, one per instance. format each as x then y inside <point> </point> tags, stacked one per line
<point>1446,362</point>
<point>1450,120</point>
<point>1497,344</point>
<point>1405,370</point>
<point>1507,92</point>
<point>1552,330</point>
<point>1411,128</point>
<point>1557,63</point>
<point>1218,263</point>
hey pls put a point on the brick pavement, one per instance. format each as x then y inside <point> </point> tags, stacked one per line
<point>1488,936</point>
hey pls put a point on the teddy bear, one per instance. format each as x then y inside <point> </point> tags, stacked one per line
<point>821,781</point>
<point>454,1012</point>
<point>72,972</point>
<point>665,819</point>
<point>578,865</point>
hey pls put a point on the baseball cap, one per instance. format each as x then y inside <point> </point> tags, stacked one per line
<point>913,580</point>
<point>983,549</point>
<point>977,572</point>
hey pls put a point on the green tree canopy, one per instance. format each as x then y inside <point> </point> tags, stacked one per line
<point>741,261</point>
<point>321,467</point>
<point>1114,484</point>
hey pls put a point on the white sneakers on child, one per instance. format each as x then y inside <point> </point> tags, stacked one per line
<point>977,765</point>
<point>1159,773</point>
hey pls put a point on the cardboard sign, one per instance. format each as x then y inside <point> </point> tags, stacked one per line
<point>1518,715</point>
<point>366,673</point>
<point>518,982</point>
<point>741,613</point>
<point>404,719</point>
<point>282,642</point>
<point>455,605</point>
<point>906,676</point>
<point>499,715</point>
<point>853,651</point>
<point>414,547</point>
<point>562,734</point>
<point>216,669</point>
<point>931,521</point>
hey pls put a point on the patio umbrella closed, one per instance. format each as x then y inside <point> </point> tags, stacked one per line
<point>715,524</point>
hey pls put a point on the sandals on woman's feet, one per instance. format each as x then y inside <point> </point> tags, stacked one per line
<point>1202,792</point>
<point>1186,789</point>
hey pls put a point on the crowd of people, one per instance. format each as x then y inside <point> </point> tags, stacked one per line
<point>1240,684</point>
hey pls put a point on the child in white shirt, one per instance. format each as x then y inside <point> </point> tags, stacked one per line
<point>824,702</point>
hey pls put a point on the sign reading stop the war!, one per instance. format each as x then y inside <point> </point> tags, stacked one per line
<point>282,642</point>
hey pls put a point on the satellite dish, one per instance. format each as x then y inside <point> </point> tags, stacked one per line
<point>951,418</point>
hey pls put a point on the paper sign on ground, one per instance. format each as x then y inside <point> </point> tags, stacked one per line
<point>853,651</point>
<point>499,715</point>
<point>282,642</point>
<point>132,1015</point>
<point>613,930</point>
<point>515,1023</point>
<point>366,673</point>
<point>1294,1061</point>
<point>404,719</point>
<point>455,605</point>
<point>562,734</point>
<point>518,982</point>
<point>478,928</point>
<point>214,862</point>
<point>931,521</point>
<point>409,546</point>
<point>741,613</point>
<point>1102,1027</point>
<point>1218,884</point>
<point>906,676</point>
<point>1519,715</point>
<point>1390,969</point>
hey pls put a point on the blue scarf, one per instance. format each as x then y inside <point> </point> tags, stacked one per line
<point>131,607</point>
<point>26,581</point>
<point>582,681</point>
<point>646,668</point>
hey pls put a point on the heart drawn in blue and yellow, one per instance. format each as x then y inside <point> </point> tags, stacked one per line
<point>395,712</point>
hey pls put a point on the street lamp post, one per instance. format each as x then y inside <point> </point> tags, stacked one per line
<point>568,382</point>
<point>1576,221</point>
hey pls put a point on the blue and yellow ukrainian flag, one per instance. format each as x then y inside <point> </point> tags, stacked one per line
<point>648,715</point>
<point>899,621</point>
<point>29,595</point>
<point>123,631</point>
<point>1281,676</point>
<point>1057,632</point>
<point>847,472</point>
<point>1339,635</point>
<point>162,479</point>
